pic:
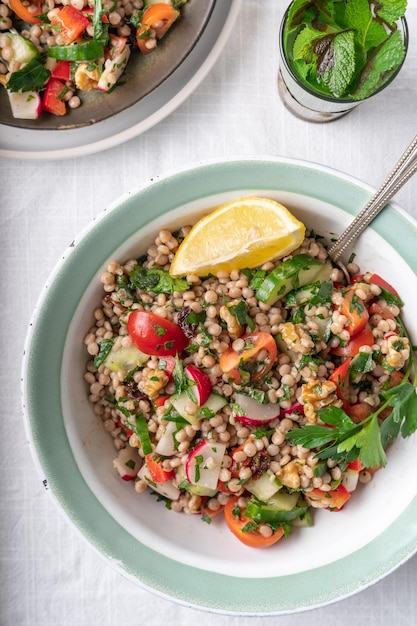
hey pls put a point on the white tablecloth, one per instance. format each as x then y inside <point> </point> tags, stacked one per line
<point>49,575</point>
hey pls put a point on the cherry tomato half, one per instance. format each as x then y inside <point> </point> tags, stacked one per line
<point>23,12</point>
<point>238,524</point>
<point>159,17</point>
<point>155,335</point>
<point>333,500</point>
<point>257,356</point>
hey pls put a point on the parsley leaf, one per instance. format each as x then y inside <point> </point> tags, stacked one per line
<point>32,77</point>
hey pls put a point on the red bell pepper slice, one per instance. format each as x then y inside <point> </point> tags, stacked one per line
<point>62,70</point>
<point>156,470</point>
<point>364,338</point>
<point>52,98</point>
<point>340,377</point>
<point>356,312</point>
<point>72,23</point>
<point>377,280</point>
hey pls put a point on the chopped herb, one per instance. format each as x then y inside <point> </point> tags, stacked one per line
<point>104,347</point>
<point>140,428</point>
<point>156,280</point>
<point>198,461</point>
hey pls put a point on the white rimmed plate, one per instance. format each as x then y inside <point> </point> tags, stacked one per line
<point>23,143</point>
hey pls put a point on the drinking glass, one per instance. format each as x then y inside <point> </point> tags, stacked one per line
<point>310,105</point>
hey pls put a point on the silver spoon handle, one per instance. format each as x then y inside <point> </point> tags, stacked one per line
<point>401,173</point>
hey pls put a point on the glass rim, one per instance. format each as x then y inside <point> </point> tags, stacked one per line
<point>321,96</point>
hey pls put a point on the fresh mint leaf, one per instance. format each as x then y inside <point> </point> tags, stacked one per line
<point>380,66</point>
<point>336,61</point>
<point>156,280</point>
<point>303,49</point>
<point>375,35</point>
<point>297,12</point>
<point>390,10</point>
<point>32,77</point>
<point>358,16</point>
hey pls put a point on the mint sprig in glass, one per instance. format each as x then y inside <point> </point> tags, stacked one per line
<point>336,53</point>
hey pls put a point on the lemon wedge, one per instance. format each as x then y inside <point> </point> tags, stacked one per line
<point>245,232</point>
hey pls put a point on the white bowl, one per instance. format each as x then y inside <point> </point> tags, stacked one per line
<point>178,556</point>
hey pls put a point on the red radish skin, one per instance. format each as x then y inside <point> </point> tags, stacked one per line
<point>127,463</point>
<point>256,413</point>
<point>202,386</point>
<point>204,464</point>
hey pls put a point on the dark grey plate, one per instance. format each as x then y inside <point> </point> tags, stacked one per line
<point>143,74</point>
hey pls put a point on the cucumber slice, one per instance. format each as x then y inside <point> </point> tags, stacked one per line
<point>23,49</point>
<point>263,488</point>
<point>214,404</point>
<point>281,508</point>
<point>298,271</point>
<point>125,359</point>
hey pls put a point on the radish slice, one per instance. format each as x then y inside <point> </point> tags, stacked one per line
<point>295,408</point>
<point>350,479</point>
<point>181,403</point>
<point>204,464</point>
<point>25,105</point>
<point>202,383</point>
<point>127,463</point>
<point>167,489</point>
<point>113,69</point>
<point>166,444</point>
<point>255,413</point>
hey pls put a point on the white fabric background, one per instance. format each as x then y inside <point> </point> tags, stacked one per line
<point>49,575</point>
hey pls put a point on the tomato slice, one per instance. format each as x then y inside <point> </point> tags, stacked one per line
<point>24,13</point>
<point>237,364</point>
<point>71,21</point>
<point>340,377</point>
<point>333,500</point>
<point>383,311</point>
<point>363,338</point>
<point>160,400</point>
<point>155,335</point>
<point>377,280</point>
<point>356,312</point>
<point>241,526</point>
<point>358,412</point>
<point>159,18</point>
<point>156,470</point>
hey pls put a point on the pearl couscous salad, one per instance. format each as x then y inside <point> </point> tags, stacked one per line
<point>257,391</point>
<point>51,52</point>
